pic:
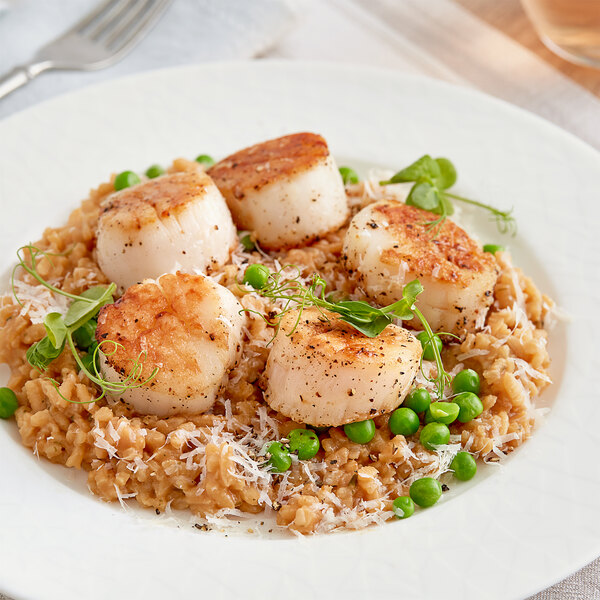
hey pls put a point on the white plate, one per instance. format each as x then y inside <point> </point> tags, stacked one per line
<point>518,530</point>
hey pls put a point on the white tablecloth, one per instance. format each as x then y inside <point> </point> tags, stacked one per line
<point>433,37</point>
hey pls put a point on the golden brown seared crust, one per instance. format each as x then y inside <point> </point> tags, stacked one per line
<point>154,200</point>
<point>328,336</point>
<point>452,255</point>
<point>157,319</point>
<point>257,166</point>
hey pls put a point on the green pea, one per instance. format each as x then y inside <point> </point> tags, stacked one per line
<point>279,458</point>
<point>418,400</point>
<point>304,442</point>
<point>247,243</point>
<point>154,171</point>
<point>361,432</point>
<point>348,175</point>
<point>464,466</point>
<point>257,276</point>
<point>433,435</point>
<point>404,421</point>
<point>493,248</point>
<point>470,406</point>
<point>427,345</point>
<point>466,381</point>
<point>429,417</point>
<point>444,412</point>
<point>425,491</point>
<point>85,335</point>
<point>126,179</point>
<point>403,507</point>
<point>8,403</point>
<point>206,160</point>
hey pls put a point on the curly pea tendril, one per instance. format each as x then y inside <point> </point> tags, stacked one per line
<point>290,290</point>
<point>60,329</point>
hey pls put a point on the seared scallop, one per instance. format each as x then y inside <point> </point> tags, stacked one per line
<point>187,327</point>
<point>388,244</point>
<point>288,191</point>
<point>328,373</point>
<point>174,222</point>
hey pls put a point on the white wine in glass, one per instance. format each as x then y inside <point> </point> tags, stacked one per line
<point>570,28</point>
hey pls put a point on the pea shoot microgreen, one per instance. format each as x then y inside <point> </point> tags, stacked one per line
<point>432,178</point>
<point>289,289</point>
<point>61,330</point>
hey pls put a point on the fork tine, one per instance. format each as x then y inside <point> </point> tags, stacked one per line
<point>91,17</point>
<point>143,25</point>
<point>126,20</point>
<point>109,17</point>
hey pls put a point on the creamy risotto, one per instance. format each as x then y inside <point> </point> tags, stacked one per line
<point>212,373</point>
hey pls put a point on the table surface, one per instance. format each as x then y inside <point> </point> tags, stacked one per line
<point>382,33</point>
<point>509,17</point>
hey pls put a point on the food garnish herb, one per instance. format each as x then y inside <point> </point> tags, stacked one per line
<point>61,329</point>
<point>349,175</point>
<point>369,320</point>
<point>432,178</point>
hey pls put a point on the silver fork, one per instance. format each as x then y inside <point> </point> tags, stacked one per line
<point>99,40</point>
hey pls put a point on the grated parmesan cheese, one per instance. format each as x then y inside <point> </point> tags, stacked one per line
<point>122,497</point>
<point>471,353</point>
<point>114,434</point>
<point>38,301</point>
<point>528,372</point>
<point>100,441</point>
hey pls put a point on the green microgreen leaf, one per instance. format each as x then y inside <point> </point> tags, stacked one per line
<point>358,309</point>
<point>423,169</point>
<point>446,205</point>
<point>42,353</point>
<point>447,177</point>
<point>371,328</point>
<point>424,195</point>
<point>412,290</point>
<point>88,305</point>
<point>56,330</point>
<point>362,316</point>
<point>403,309</point>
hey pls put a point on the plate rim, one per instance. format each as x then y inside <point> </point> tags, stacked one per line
<point>13,121</point>
<point>324,65</point>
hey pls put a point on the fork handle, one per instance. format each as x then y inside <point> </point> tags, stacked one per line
<point>13,80</point>
<point>18,77</point>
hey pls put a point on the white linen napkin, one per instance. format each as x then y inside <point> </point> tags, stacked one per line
<point>190,31</point>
